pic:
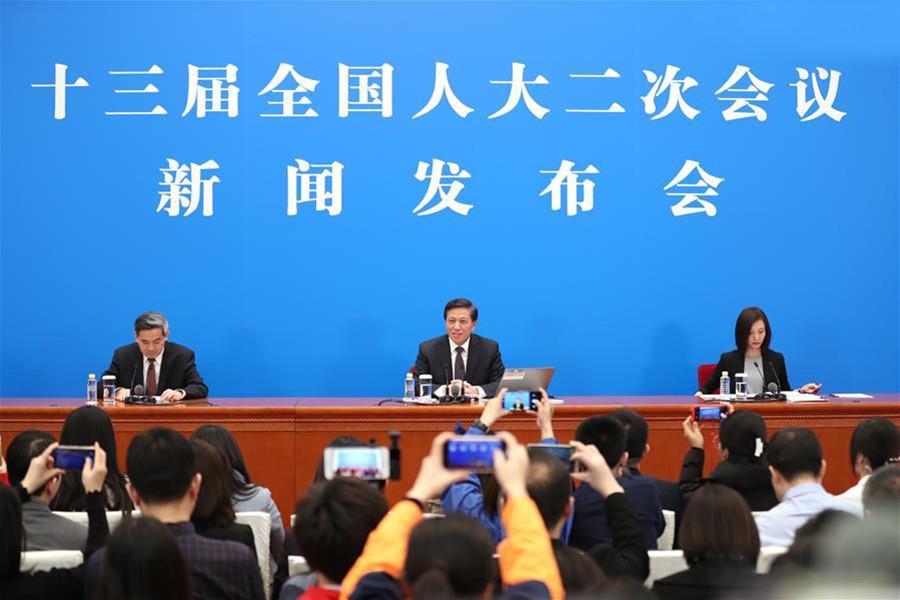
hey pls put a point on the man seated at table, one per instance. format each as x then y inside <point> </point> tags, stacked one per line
<point>163,368</point>
<point>461,355</point>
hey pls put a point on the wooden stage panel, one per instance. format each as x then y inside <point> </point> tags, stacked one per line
<point>282,438</point>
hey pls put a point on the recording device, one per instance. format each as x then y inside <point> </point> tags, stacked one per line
<point>365,462</point>
<point>520,400</point>
<point>138,397</point>
<point>454,391</point>
<point>394,453</point>
<point>561,451</point>
<point>72,458</point>
<point>472,452</point>
<point>773,390</point>
<point>712,412</point>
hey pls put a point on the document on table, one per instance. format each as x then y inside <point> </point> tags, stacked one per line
<point>800,397</point>
<point>853,396</point>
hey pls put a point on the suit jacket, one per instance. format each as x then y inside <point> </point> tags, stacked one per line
<point>733,362</point>
<point>590,524</point>
<point>751,480</point>
<point>46,531</point>
<point>177,371</point>
<point>484,366</point>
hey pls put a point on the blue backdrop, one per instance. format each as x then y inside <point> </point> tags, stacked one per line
<point>623,299</point>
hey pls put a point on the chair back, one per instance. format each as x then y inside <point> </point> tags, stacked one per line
<point>113,517</point>
<point>767,555</point>
<point>664,563</point>
<point>261,524</point>
<point>667,539</point>
<point>44,560</point>
<point>703,373</point>
<point>297,565</point>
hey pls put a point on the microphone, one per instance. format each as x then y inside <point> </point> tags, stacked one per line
<point>133,374</point>
<point>138,397</point>
<point>777,379</point>
<point>446,396</point>
<point>138,390</point>
<point>773,388</point>
<point>762,376</point>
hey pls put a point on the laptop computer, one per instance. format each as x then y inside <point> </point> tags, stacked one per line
<point>527,379</point>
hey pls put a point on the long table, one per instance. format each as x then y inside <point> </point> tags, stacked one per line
<point>282,438</point>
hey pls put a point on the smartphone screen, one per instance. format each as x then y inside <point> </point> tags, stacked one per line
<point>710,413</point>
<point>472,452</point>
<point>72,458</point>
<point>359,461</point>
<point>561,451</point>
<point>520,400</point>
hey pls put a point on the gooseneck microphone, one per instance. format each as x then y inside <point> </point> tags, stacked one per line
<point>777,379</point>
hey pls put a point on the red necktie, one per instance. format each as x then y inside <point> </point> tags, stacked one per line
<point>151,377</point>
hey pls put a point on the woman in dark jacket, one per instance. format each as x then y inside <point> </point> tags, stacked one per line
<point>742,441</point>
<point>213,515</point>
<point>83,427</point>
<point>720,542</point>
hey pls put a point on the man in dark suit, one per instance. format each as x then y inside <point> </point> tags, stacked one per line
<point>165,369</point>
<point>461,355</point>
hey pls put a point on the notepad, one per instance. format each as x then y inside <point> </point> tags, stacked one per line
<point>853,396</point>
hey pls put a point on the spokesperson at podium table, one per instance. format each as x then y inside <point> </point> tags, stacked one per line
<point>165,369</point>
<point>461,355</point>
<point>752,335</point>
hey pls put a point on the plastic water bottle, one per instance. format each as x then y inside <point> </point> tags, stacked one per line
<point>92,390</point>
<point>409,387</point>
<point>724,384</point>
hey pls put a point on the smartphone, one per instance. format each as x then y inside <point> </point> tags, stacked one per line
<point>561,451</point>
<point>709,412</point>
<point>520,400</point>
<point>365,462</point>
<point>472,452</point>
<point>72,458</point>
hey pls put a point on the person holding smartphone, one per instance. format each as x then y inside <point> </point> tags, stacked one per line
<point>752,336</point>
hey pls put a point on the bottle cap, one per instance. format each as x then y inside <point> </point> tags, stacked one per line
<point>740,375</point>
<point>724,373</point>
<point>91,376</point>
<point>409,375</point>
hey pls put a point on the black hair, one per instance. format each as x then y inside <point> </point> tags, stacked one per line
<point>213,507</point>
<point>83,427</point>
<point>12,538</point>
<point>161,465</point>
<point>21,450</point>
<point>882,491</point>
<point>579,573</point>
<point>607,434</point>
<point>334,520</point>
<point>636,432</point>
<point>876,439</point>
<point>549,485</point>
<point>462,303</point>
<point>743,434</point>
<point>222,440</point>
<point>718,528</point>
<point>143,561</point>
<point>744,324</point>
<point>795,451</point>
<point>450,557</point>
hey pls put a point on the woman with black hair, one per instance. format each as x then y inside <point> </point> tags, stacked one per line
<point>742,441</point>
<point>57,583</point>
<point>213,515</point>
<point>246,496</point>
<point>720,542</point>
<point>83,427</point>
<point>143,562</point>
<point>752,336</point>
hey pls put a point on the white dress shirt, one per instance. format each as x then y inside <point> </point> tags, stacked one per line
<point>799,504</point>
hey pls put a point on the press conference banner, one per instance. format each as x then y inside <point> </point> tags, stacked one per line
<point>301,186</point>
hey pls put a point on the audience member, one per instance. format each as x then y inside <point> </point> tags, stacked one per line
<point>797,468</point>
<point>451,557</point>
<point>637,436</point>
<point>721,546</point>
<point>334,520</point>
<point>742,439</point>
<point>246,496</point>
<point>874,442</point>
<point>56,583</point>
<point>44,530</point>
<point>881,496</point>
<point>803,557</point>
<point>142,561</point>
<point>213,515</point>
<point>479,496</point>
<point>164,485</point>
<point>83,427</point>
<point>589,523</point>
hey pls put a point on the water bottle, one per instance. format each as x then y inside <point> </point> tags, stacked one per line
<point>724,384</point>
<point>409,387</point>
<point>92,390</point>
